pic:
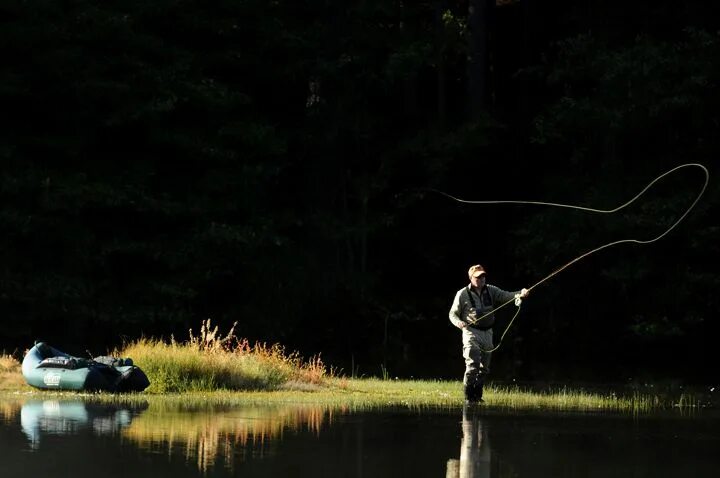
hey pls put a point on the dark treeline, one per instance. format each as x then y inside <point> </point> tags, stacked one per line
<point>267,162</point>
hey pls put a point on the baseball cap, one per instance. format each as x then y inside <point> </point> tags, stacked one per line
<point>476,271</point>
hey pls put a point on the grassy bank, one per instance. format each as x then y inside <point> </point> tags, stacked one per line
<point>174,367</point>
<point>211,361</point>
<point>369,393</point>
<point>221,369</point>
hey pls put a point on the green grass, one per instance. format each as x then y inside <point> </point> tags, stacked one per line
<point>363,394</point>
<point>223,370</point>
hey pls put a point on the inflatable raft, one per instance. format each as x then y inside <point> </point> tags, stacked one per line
<point>50,369</point>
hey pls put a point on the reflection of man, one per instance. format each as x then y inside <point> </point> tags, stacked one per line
<point>474,459</point>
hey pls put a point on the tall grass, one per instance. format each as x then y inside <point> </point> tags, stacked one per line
<point>211,361</point>
<point>10,376</point>
<point>8,363</point>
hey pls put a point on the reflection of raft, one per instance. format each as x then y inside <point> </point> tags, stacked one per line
<point>64,417</point>
<point>48,368</point>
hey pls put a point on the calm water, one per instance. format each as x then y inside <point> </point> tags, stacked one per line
<point>62,438</point>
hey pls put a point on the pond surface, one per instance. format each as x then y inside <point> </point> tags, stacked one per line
<point>74,438</point>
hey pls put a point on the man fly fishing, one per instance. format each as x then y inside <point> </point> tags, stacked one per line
<point>472,312</point>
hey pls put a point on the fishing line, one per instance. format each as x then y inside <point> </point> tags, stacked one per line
<point>517,300</point>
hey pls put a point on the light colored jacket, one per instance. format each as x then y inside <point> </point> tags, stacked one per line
<point>470,303</point>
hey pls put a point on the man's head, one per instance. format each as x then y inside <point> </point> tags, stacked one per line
<point>476,274</point>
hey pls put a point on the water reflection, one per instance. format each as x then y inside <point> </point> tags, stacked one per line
<point>204,436</point>
<point>222,436</point>
<point>174,437</point>
<point>8,410</point>
<point>475,457</point>
<point>40,418</point>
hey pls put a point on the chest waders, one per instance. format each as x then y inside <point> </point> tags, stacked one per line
<point>475,379</point>
<point>486,301</point>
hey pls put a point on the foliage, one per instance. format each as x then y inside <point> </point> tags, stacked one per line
<point>627,113</point>
<point>267,165</point>
<point>211,361</point>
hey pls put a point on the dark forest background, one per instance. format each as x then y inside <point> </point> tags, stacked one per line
<point>266,162</point>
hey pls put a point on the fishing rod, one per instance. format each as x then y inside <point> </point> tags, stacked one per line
<point>518,300</point>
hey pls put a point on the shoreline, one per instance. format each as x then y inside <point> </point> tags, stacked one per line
<point>373,393</point>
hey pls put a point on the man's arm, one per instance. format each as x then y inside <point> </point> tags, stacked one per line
<point>455,312</point>
<point>501,296</point>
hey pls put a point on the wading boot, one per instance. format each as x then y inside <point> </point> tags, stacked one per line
<point>474,391</point>
<point>479,388</point>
